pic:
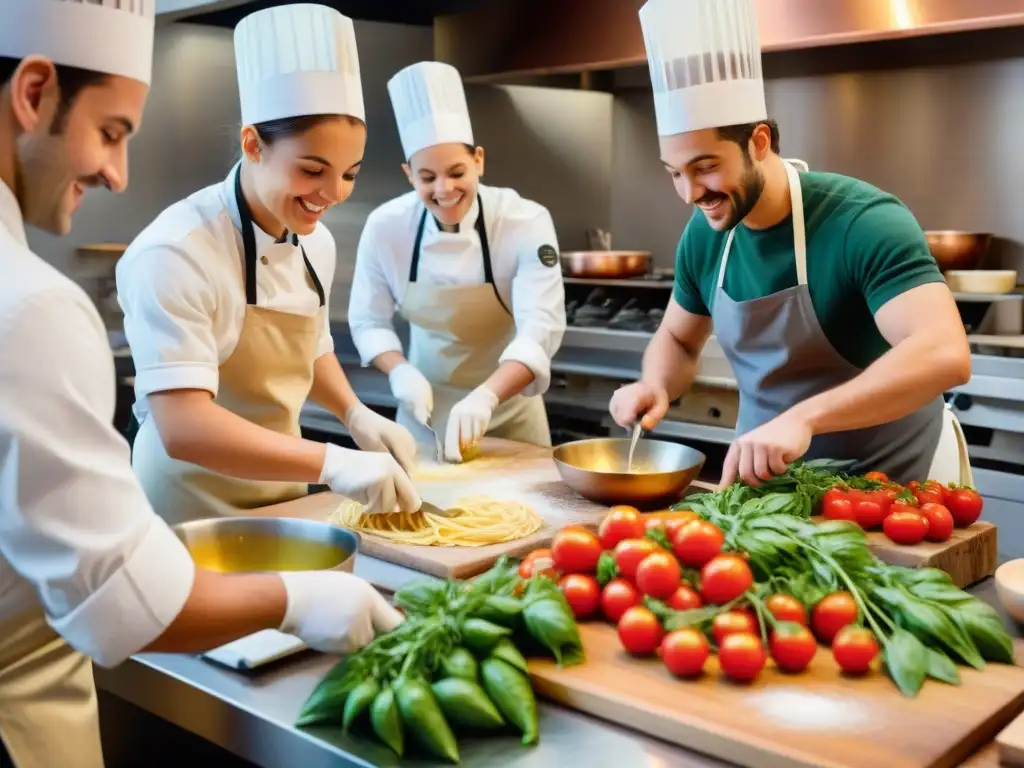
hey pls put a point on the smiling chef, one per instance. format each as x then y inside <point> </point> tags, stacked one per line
<point>473,269</point>
<point>820,288</point>
<point>225,296</point>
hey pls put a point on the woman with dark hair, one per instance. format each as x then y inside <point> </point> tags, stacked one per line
<point>473,269</point>
<point>225,296</point>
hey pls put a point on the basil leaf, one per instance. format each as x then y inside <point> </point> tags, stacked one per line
<point>824,576</point>
<point>915,576</point>
<point>988,634</point>
<point>907,662</point>
<point>947,594</point>
<point>423,596</point>
<point>327,701</point>
<point>607,569</point>
<point>942,668</point>
<point>659,537</point>
<point>692,617</point>
<point>928,621</point>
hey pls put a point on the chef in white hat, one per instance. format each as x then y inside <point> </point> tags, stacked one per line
<point>473,269</point>
<point>820,288</point>
<point>87,569</point>
<point>226,293</point>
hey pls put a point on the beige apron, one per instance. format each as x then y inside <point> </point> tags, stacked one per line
<point>457,334</point>
<point>265,380</point>
<point>48,714</point>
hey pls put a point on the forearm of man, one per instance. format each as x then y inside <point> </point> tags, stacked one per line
<point>509,379</point>
<point>930,355</point>
<point>222,608</point>
<point>331,388</point>
<point>386,361</point>
<point>194,428</point>
<point>669,364</point>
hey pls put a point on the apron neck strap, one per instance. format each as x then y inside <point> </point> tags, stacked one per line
<point>250,252</point>
<point>481,230</point>
<point>796,201</point>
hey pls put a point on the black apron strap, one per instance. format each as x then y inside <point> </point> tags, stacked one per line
<point>414,266</point>
<point>249,247</point>
<point>485,246</point>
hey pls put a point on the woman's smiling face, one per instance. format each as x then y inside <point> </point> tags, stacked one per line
<point>446,177</point>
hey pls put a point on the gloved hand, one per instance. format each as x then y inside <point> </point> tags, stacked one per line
<point>335,612</point>
<point>373,432</point>
<point>412,390</point>
<point>468,421</point>
<point>372,478</point>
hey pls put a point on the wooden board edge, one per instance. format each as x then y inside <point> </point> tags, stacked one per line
<point>986,733</point>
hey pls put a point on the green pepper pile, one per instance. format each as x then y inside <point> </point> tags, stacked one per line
<point>925,623</point>
<point>454,666</point>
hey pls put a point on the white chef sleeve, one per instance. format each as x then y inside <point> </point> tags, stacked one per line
<point>538,294</point>
<point>169,301</point>
<point>74,521</point>
<point>371,305</point>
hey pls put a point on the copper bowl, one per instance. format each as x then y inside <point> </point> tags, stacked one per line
<point>606,265</point>
<point>958,250</point>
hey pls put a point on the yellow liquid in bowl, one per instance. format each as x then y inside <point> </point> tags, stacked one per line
<point>261,552</point>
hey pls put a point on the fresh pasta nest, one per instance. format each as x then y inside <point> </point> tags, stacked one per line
<point>473,522</point>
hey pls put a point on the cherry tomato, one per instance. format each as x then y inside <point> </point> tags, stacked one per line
<point>868,513</point>
<point>832,613</point>
<point>630,553</point>
<point>884,497</point>
<point>913,485</point>
<point>538,561</point>
<point>575,550</point>
<point>854,649</point>
<point>940,521</point>
<point>927,495</point>
<point>670,522</point>
<point>620,523</point>
<point>787,608</point>
<point>658,575</point>
<point>965,505</point>
<point>902,503</point>
<point>725,578</point>
<point>905,527</point>
<point>936,487</point>
<point>837,505</point>
<point>582,593</point>
<point>639,631</point>
<point>684,652</point>
<point>697,542</point>
<point>732,623</point>
<point>879,476</point>
<point>741,656</point>
<point>684,599</point>
<point>793,646</point>
<point>617,597</point>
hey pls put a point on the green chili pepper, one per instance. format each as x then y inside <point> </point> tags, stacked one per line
<point>480,635</point>
<point>358,701</point>
<point>553,625</point>
<point>465,704</point>
<point>511,692</point>
<point>423,717</point>
<point>386,721</point>
<point>507,652</point>
<point>460,663</point>
<point>501,610</point>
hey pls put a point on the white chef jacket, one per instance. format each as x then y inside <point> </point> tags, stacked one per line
<point>76,531</point>
<point>516,231</point>
<point>181,286</point>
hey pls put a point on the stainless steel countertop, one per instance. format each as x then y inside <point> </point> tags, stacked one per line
<point>251,714</point>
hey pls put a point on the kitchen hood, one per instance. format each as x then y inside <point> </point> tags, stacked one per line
<point>544,37</point>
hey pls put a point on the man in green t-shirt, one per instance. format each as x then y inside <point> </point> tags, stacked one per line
<point>819,288</point>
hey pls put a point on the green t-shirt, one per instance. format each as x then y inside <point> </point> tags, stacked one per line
<point>864,247</point>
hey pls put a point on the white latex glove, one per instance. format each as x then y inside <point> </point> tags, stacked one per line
<point>412,390</point>
<point>373,432</point>
<point>373,478</point>
<point>468,421</point>
<point>335,612</point>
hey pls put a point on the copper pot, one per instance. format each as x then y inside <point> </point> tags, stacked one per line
<point>958,250</point>
<point>606,265</point>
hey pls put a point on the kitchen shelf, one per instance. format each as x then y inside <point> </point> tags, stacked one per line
<point>994,340</point>
<point>627,283</point>
<point>988,298</point>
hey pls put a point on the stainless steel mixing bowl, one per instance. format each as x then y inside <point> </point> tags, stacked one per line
<point>250,544</point>
<point>596,469</point>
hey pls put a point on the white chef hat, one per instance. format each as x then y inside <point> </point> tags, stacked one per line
<point>114,37</point>
<point>705,61</point>
<point>297,60</point>
<point>430,106</point>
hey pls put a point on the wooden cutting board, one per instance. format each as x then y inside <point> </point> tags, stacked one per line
<point>968,556</point>
<point>1011,743</point>
<point>817,718</point>
<point>504,470</point>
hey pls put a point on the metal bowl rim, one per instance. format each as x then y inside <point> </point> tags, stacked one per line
<point>956,232</point>
<point>703,458</point>
<point>301,521</point>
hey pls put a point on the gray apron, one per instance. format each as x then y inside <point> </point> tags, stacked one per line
<point>781,357</point>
